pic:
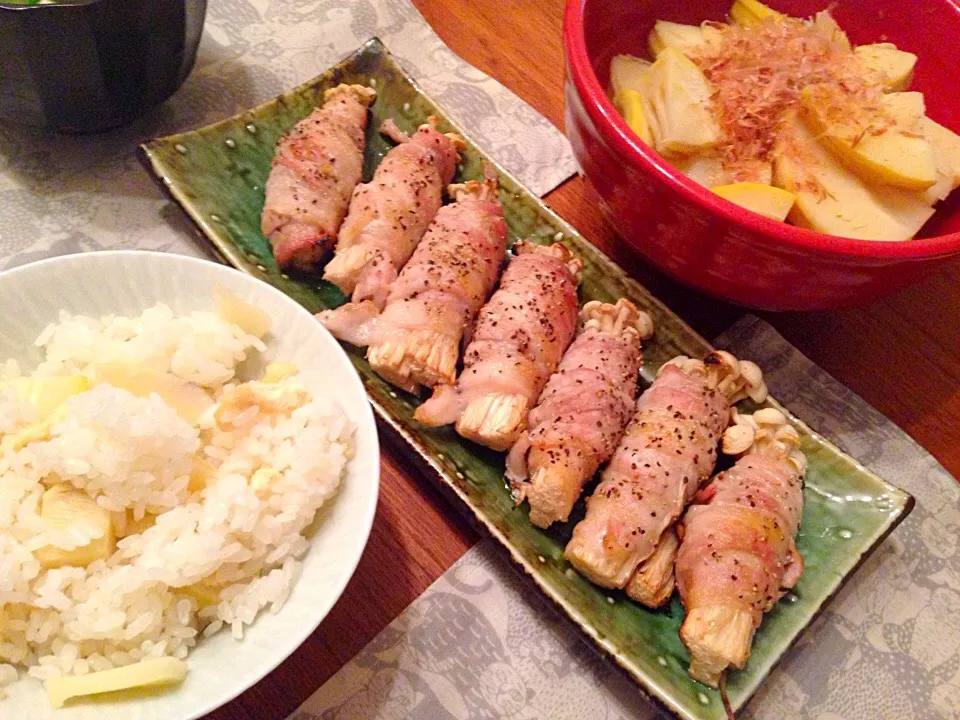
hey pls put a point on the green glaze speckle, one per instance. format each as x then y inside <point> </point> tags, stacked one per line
<point>218,179</point>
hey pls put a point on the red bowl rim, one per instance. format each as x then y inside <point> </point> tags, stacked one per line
<point>616,131</point>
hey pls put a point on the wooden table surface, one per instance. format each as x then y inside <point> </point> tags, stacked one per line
<point>901,354</point>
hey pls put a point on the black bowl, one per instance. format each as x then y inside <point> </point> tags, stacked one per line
<point>90,65</point>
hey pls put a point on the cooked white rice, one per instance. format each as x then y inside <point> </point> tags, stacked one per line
<point>235,537</point>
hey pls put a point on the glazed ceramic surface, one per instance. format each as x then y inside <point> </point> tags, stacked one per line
<point>715,245</point>
<point>217,174</point>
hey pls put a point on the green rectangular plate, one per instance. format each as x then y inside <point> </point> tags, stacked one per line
<point>217,173</point>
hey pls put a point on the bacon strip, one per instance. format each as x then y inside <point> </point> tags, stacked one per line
<point>668,449</point>
<point>416,339</point>
<point>518,341</point>
<point>389,215</point>
<point>738,553</point>
<point>315,169</point>
<point>581,413</point>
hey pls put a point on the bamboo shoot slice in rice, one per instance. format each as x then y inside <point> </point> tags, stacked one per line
<point>32,433</point>
<point>154,672</point>
<point>64,508</point>
<point>266,397</point>
<point>151,533</point>
<point>190,401</point>
<point>46,394</point>
<point>276,372</point>
<point>250,319</point>
<point>201,470</point>
<point>205,595</point>
<point>126,523</point>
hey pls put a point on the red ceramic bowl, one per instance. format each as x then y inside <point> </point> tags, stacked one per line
<point>710,243</point>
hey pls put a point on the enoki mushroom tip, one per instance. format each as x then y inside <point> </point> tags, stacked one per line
<point>620,318</point>
<point>558,250</point>
<point>765,432</point>
<point>459,143</point>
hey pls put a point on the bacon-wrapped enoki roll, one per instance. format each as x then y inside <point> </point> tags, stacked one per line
<point>738,553</point>
<point>389,215</point>
<point>517,343</point>
<point>669,447</point>
<point>416,339</point>
<point>582,411</point>
<point>315,169</point>
<point>653,582</point>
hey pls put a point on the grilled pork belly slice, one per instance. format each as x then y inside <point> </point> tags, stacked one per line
<point>668,449</point>
<point>389,215</point>
<point>415,340</point>
<point>520,335</point>
<point>738,554</point>
<point>315,169</point>
<point>582,411</point>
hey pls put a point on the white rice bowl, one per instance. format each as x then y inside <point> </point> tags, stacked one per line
<point>281,578</point>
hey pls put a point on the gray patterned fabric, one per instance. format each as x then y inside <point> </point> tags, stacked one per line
<point>479,643</point>
<point>482,643</point>
<point>61,194</point>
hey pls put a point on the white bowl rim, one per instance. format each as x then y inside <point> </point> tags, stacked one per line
<point>367,418</point>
